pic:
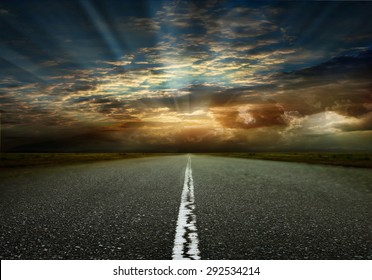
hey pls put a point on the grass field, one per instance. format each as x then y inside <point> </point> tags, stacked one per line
<point>341,159</point>
<point>15,160</point>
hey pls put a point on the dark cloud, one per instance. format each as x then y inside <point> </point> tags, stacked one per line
<point>247,117</point>
<point>342,84</point>
<point>356,64</point>
<point>112,106</point>
<point>185,75</point>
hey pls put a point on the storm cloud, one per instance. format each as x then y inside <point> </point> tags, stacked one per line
<point>185,75</point>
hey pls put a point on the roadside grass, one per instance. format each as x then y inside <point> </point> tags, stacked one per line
<point>20,160</point>
<point>340,159</point>
<point>17,160</point>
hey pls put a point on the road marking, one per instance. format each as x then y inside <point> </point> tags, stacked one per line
<point>186,240</point>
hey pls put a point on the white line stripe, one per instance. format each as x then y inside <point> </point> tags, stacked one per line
<point>186,240</point>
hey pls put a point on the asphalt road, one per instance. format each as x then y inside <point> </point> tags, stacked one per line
<point>244,209</point>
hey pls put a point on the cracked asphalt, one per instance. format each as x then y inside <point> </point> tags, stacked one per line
<point>128,209</point>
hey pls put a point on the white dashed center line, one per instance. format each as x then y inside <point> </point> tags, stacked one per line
<point>186,241</point>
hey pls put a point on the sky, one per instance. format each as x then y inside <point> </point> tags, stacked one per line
<point>185,76</point>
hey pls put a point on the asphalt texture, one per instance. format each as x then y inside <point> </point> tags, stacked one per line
<point>128,209</point>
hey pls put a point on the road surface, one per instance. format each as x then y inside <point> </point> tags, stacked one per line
<point>193,207</point>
